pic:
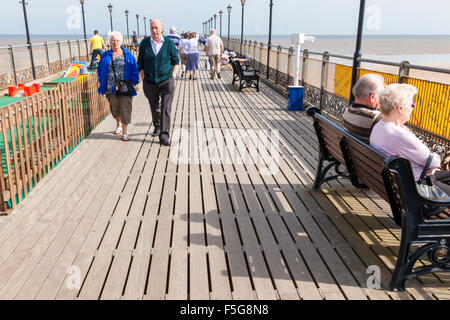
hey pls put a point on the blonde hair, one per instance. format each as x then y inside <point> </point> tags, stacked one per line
<point>116,34</point>
<point>396,95</point>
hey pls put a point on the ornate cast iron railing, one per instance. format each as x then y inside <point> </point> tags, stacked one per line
<point>326,80</point>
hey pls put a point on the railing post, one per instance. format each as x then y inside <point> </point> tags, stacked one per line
<point>261,46</point>
<point>33,68</point>
<point>305,57</point>
<point>278,64</point>
<point>60,55</point>
<point>48,57</point>
<point>290,55</point>
<point>70,50</point>
<point>324,75</point>
<point>403,72</point>
<point>87,51</point>
<point>13,63</point>
<point>79,50</point>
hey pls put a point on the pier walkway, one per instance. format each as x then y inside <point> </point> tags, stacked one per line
<point>226,212</point>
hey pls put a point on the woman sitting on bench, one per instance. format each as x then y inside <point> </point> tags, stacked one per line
<point>391,137</point>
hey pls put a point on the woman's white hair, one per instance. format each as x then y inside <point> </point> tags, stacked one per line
<point>116,34</point>
<point>396,95</point>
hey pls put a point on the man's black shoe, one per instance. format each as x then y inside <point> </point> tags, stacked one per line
<point>155,132</point>
<point>165,142</point>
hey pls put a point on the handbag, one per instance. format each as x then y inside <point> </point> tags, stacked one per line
<point>123,87</point>
<point>427,190</point>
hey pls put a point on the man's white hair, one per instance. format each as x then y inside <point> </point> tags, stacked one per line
<point>116,34</point>
<point>173,29</point>
<point>368,83</point>
<point>212,31</point>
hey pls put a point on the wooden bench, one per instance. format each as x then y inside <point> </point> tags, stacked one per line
<point>246,76</point>
<point>393,180</point>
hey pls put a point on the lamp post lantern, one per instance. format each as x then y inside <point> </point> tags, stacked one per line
<point>84,29</point>
<point>242,25</point>
<point>128,29</point>
<point>137,20</point>
<point>229,13</point>
<point>356,62</point>
<point>28,37</point>
<point>220,15</point>
<point>110,15</point>
<point>270,37</point>
<point>145,27</point>
<point>215,25</point>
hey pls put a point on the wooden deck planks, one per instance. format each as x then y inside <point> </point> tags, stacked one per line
<point>143,222</point>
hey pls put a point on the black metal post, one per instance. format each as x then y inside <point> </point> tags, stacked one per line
<point>270,38</point>
<point>215,25</point>
<point>28,38</point>
<point>220,15</point>
<point>128,29</point>
<point>110,15</point>
<point>145,27</point>
<point>137,19</point>
<point>242,28</point>
<point>229,14</point>
<point>356,62</point>
<point>84,29</point>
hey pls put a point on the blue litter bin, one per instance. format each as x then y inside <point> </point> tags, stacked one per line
<point>295,98</point>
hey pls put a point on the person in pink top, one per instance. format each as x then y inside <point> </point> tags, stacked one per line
<point>392,138</point>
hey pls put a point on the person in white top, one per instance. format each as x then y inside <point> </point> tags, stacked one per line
<point>183,43</point>
<point>392,138</point>
<point>214,49</point>
<point>192,56</point>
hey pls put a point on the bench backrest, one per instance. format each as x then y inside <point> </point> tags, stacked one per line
<point>365,165</point>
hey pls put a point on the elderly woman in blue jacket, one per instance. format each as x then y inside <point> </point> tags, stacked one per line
<point>118,64</point>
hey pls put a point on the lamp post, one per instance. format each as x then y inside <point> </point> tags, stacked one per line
<point>28,37</point>
<point>128,29</point>
<point>110,15</point>
<point>220,15</point>
<point>215,25</point>
<point>84,29</point>
<point>137,20</point>
<point>229,13</point>
<point>145,27</point>
<point>270,37</point>
<point>242,25</point>
<point>356,62</point>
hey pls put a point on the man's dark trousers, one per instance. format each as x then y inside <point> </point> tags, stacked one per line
<point>160,108</point>
<point>95,52</point>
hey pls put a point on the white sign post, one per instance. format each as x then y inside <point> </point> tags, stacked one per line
<point>295,92</point>
<point>297,39</point>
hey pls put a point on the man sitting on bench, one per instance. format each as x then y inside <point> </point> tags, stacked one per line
<point>360,117</point>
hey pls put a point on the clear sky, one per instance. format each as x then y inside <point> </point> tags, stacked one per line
<point>289,16</point>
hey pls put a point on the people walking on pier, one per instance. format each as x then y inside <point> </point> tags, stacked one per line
<point>214,48</point>
<point>117,72</point>
<point>359,117</point>
<point>391,137</point>
<point>192,56</point>
<point>158,63</point>
<point>175,37</point>
<point>97,47</point>
<point>134,38</point>
<point>183,44</point>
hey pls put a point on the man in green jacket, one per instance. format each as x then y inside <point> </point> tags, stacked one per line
<point>158,63</point>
